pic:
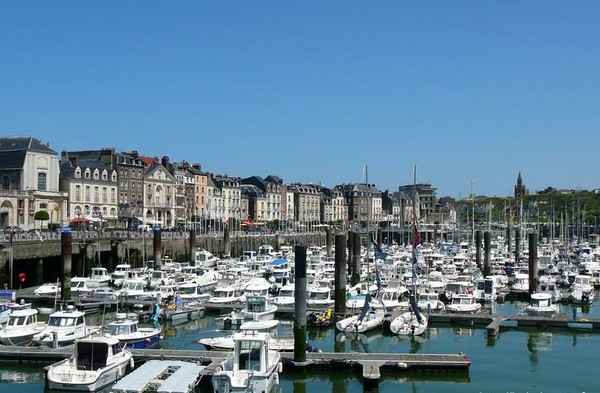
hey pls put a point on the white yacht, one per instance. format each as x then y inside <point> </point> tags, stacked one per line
<point>252,366</point>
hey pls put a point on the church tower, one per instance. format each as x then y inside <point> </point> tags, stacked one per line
<point>520,189</point>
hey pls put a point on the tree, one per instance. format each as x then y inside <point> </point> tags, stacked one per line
<point>41,215</point>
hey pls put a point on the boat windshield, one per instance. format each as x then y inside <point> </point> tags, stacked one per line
<point>117,329</point>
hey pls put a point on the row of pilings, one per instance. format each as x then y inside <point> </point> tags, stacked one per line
<point>352,242</point>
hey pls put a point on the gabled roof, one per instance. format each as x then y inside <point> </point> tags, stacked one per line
<point>158,167</point>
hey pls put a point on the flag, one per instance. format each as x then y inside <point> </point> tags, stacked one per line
<point>416,242</point>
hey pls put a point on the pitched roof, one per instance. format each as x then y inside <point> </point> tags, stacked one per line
<point>13,150</point>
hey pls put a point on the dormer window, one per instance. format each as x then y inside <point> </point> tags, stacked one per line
<point>104,175</point>
<point>77,173</point>
<point>87,174</point>
<point>96,174</point>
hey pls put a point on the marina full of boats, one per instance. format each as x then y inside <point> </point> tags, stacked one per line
<point>398,288</point>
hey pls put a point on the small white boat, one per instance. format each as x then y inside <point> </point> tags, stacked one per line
<point>47,289</point>
<point>205,259</point>
<point>463,303</point>
<point>252,366</point>
<point>130,334</point>
<point>430,301</point>
<point>161,376</point>
<point>257,308</point>
<point>368,319</point>
<point>8,306</point>
<point>68,325</point>
<point>542,305</point>
<point>96,362</point>
<point>319,298</point>
<point>226,343</point>
<point>22,325</point>
<point>409,323</point>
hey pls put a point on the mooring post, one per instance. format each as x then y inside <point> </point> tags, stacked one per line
<point>340,274</point>
<point>300,305</point>
<point>355,258</point>
<point>533,266</point>
<point>226,241</point>
<point>156,243</point>
<point>478,249</point>
<point>66,251</point>
<point>517,244</point>
<point>192,255</point>
<point>328,241</point>
<point>487,248</point>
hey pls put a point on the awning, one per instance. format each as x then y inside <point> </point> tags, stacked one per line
<point>79,219</point>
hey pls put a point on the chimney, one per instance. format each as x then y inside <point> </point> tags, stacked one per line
<point>165,161</point>
<point>73,161</point>
<point>197,167</point>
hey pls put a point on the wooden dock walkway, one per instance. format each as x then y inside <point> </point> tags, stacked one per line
<point>370,363</point>
<point>493,322</point>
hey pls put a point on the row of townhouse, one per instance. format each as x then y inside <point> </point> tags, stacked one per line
<point>110,189</point>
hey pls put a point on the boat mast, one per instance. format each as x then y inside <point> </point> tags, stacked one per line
<point>415,231</point>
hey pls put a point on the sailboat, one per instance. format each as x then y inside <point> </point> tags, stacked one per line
<point>370,317</point>
<point>411,323</point>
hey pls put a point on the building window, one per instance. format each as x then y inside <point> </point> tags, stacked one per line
<point>78,193</point>
<point>5,182</point>
<point>96,194</point>
<point>87,193</point>
<point>104,195</point>
<point>41,181</point>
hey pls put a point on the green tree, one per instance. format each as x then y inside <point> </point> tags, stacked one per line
<point>41,216</point>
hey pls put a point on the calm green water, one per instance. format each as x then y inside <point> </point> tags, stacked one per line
<point>517,361</point>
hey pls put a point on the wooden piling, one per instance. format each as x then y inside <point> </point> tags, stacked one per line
<point>156,245</point>
<point>300,305</point>
<point>478,249</point>
<point>533,266</point>
<point>192,251</point>
<point>66,251</point>
<point>487,249</point>
<point>340,274</point>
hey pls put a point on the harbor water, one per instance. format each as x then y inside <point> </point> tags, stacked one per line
<point>518,360</point>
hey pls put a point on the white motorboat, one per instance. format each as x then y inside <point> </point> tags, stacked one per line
<point>8,306</point>
<point>257,308</point>
<point>226,297</point>
<point>582,291</point>
<point>463,303</point>
<point>47,289</point>
<point>22,325</point>
<point>68,325</point>
<point>130,334</point>
<point>96,362</point>
<point>205,259</point>
<point>430,301</point>
<point>226,343</point>
<point>252,366</point>
<point>542,304</point>
<point>319,298</point>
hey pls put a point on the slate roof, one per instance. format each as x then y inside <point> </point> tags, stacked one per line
<point>13,150</point>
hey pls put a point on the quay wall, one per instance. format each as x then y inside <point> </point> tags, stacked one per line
<point>39,256</point>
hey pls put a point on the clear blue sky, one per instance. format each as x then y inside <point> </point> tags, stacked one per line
<point>471,92</point>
